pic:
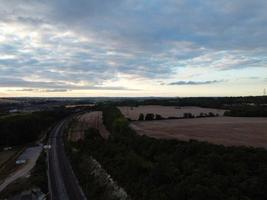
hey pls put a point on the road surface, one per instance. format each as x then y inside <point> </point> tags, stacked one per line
<point>63,184</point>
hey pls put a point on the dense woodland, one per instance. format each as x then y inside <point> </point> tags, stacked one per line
<point>247,111</point>
<point>17,129</point>
<point>210,102</point>
<point>166,169</point>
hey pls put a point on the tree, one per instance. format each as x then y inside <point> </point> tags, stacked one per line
<point>201,114</point>
<point>159,117</point>
<point>211,114</point>
<point>149,116</point>
<point>141,117</point>
<point>188,115</point>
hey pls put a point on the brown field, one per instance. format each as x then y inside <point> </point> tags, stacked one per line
<point>79,105</point>
<point>85,121</point>
<point>229,131</point>
<point>165,111</point>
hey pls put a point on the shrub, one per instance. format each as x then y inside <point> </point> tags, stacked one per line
<point>141,117</point>
<point>149,116</point>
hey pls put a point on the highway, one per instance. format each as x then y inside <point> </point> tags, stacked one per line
<point>63,184</point>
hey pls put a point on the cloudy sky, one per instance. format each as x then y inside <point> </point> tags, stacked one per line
<point>133,47</point>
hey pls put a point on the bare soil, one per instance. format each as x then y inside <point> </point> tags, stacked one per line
<point>229,131</point>
<point>85,121</point>
<point>166,111</point>
<point>79,105</point>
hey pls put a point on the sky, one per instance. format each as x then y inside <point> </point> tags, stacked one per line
<point>133,48</point>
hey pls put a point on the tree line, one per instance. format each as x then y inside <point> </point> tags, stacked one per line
<point>209,102</point>
<point>25,128</point>
<point>247,111</point>
<point>152,116</point>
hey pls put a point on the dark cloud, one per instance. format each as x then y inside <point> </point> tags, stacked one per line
<point>218,24</point>
<point>40,90</point>
<point>24,90</point>
<point>65,43</point>
<point>52,86</point>
<point>254,77</point>
<point>195,82</point>
<point>56,90</point>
